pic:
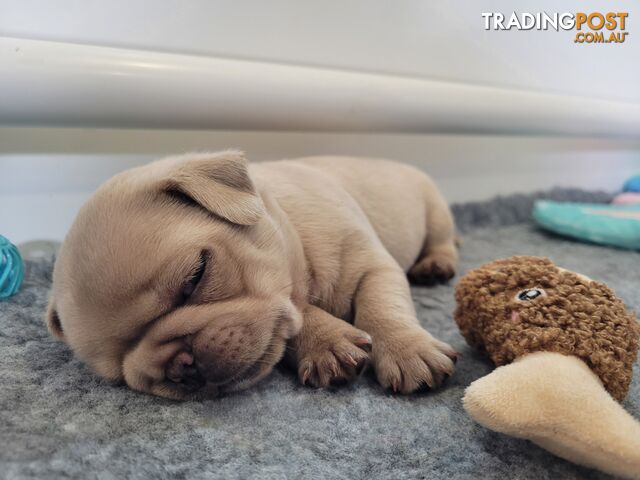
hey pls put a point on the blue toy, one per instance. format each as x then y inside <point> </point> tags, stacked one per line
<point>632,185</point>
<point>11,268</point>
<point>616,225</point>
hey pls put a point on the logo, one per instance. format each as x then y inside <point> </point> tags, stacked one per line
<point>594,27</point>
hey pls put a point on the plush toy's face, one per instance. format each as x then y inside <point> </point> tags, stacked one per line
<point>521,305</point>
<point>562,328</point>
<point>525,290</point>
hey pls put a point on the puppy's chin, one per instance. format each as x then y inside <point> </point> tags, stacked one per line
<point>259,370</point>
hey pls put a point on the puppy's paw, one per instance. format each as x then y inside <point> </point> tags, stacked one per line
<point>411,359</point>
<point>334,358</point>
<point>436,267</point>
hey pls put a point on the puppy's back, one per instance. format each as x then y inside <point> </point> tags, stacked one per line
<point>394,196</point>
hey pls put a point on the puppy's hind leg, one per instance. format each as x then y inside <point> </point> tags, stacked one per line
<point>405,356</point>
<point>439,256</point>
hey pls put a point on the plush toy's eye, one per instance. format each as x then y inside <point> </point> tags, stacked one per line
<point>530,294</point>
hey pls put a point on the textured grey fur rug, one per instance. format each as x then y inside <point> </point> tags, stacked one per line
<point>58,420</point>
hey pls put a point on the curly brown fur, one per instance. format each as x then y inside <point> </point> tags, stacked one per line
<point>574,316</point>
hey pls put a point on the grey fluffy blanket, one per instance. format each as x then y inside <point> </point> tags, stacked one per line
<point>58,420</point>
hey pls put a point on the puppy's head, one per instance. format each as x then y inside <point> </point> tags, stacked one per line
<point>175,278</point>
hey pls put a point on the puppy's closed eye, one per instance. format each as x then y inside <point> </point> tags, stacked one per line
<point>192,282</point>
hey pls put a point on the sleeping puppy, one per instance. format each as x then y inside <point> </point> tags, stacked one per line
<point>192,276</point>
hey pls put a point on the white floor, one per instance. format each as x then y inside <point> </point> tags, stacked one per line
<point>46,174</point>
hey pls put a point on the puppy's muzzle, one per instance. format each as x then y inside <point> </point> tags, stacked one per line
<point>220,353</point>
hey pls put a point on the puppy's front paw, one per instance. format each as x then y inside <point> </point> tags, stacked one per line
<point>334,358</point>
<point>411,359</point>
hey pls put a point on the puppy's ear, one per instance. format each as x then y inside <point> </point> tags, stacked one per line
<point>53,321</point>
<point>219,183</point>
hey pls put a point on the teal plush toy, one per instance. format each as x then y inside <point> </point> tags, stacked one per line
<point>615,225</point>
<point>11,268</point>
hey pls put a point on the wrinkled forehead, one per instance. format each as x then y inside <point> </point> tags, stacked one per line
<point>117,253</point>
<point>115,243</point>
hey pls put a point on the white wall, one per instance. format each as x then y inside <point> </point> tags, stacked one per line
<point>46,173</point>
<point>434,39</point>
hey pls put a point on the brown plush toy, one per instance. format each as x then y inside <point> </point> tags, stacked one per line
<point>572,344</point>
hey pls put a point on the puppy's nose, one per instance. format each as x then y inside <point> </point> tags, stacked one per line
<point>181,369</point>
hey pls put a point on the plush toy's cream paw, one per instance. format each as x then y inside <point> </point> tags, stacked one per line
<point>557,402</point>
